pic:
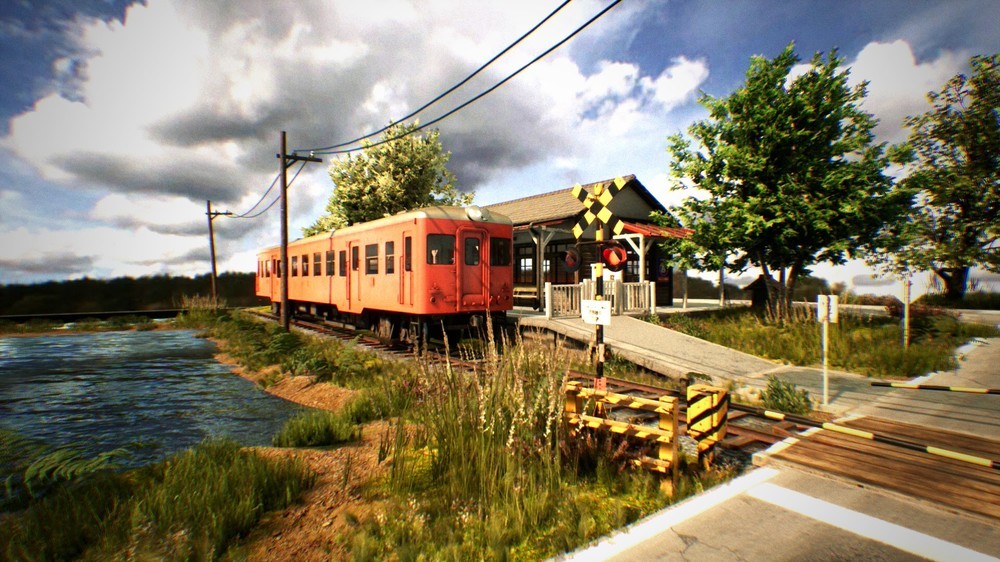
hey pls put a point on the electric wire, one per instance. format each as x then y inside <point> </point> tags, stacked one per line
<point>482,94</point>
<point>276,199</point>
<point>250,210</point>
<point>446,92</point>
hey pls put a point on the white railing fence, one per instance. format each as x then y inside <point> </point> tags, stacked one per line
<point>626,298</point>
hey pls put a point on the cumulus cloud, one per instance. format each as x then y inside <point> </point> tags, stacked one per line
<point>182,101</point>
<point>898,84</point>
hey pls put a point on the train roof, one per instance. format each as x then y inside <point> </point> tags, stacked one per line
<point>440,212</point>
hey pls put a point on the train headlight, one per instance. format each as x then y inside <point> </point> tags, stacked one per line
<point>476,213</point>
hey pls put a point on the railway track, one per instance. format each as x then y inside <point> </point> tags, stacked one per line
<point>432,352</point>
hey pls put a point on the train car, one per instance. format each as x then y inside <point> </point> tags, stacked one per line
<point>402,276</point>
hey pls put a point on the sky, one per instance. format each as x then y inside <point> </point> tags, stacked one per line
<point>120,119</point>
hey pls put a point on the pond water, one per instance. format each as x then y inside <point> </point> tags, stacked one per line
<point>156,392</point>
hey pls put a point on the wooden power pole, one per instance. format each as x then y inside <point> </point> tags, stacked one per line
<point>286,161</point>
<point>211,246</point>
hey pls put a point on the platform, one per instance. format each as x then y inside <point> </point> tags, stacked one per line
<point>658,349</point>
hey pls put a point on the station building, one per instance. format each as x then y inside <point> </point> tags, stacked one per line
<point>543,232</point>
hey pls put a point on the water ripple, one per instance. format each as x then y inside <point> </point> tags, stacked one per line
<point>108,390</point>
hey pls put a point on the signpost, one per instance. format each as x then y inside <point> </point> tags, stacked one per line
<point>596,312</point>
<point>826,313</point>
<point>597,208</point>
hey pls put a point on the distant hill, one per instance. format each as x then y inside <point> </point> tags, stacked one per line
<point>122,293</point>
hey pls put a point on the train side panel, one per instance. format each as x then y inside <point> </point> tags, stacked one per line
<point>431,262</point>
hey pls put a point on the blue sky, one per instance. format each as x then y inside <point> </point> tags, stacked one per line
<point>118,120</point>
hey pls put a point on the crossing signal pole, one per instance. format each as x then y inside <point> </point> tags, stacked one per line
<point>211,245</point>
<point>286,161</point>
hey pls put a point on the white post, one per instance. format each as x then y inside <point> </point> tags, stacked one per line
<point>548,300</point>
<point>826,362</point>
<point>826,312</point>
<point>652,297</point>
<point>906,311</point>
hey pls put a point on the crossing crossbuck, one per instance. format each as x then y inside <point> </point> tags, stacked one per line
<point>597,207</point>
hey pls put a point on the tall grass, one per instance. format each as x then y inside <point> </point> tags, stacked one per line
<point>316,428</point>
<point>190,507</point>
<point>485,471</point>
<point>870,346</point>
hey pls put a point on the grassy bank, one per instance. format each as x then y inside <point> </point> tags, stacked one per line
<point>870,346</point>
<point>470,465</point>
<point>190,507</point>
<point>473,465</point>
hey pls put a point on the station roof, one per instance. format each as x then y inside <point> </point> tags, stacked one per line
<point>562,204</point>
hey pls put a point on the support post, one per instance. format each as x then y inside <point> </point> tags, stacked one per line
<point>286,161</point>
<point>285,315</point>
<point>600,383</point>
<point>211,246</point>
<point>548,300</point>
<point>906,311</point>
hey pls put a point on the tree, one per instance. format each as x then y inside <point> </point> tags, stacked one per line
<point>389,177</point>
<point>954,152</point>
<point>788,171</point>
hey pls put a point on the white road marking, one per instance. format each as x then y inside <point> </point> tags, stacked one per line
<point>864,525</point>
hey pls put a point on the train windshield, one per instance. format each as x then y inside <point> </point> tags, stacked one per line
<point>440,249</point>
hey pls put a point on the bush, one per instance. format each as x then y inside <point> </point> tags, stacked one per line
<point>785,397</point>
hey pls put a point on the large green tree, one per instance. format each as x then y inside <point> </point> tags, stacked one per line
<point>954,152</point>
<point>787,171</point>
<point>388,177</point>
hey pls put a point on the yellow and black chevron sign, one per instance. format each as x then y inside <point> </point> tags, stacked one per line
<point>597,207</point>
<point>707,413</point>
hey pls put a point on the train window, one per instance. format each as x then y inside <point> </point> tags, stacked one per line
<point>390,255</point>
<point>305,265</point>
<point>329,263</point>
<point>500,251</point>
<point>277,268</point>
<point>371,259</point>
<point>295,266</point>
<point>440,249</point>
<point>471,251</point>
<point>343,263</point>
<point>316,262</point>
<point>407,252</point>
<point>267,268</point>
<point>355,259</point>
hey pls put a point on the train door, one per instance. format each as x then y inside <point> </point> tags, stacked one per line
<point>275,280</point>
<point>473,276</point>
<point>354,276</point>
<point>406,270</point>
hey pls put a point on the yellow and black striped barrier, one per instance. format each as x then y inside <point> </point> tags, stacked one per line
<point>912,445</point>
<point>664,435</point>
<point>707,414</point>
<point>910,386</point>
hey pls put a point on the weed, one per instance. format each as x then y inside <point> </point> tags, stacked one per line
<point>315,428</point>
<point>785,397</point>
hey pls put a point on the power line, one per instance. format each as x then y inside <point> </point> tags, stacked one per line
<point>250,210</point>
<point>446,92</point>
<point>276,199</point>
<point>485,92</point>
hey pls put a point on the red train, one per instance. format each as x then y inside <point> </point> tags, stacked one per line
<point>401,276</point>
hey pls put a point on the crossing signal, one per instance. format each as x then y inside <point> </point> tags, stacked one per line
<point>573,260</point>
<point>614,257</point>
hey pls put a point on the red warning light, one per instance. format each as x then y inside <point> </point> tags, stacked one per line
<point>614,258</point>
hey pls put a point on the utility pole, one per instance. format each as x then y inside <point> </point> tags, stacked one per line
<point>211,245</point>
<point>286,161</point>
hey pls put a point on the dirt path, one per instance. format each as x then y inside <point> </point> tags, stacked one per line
<point>318,525</point>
